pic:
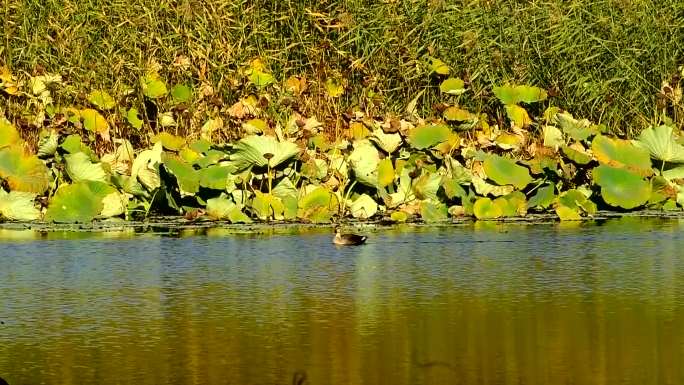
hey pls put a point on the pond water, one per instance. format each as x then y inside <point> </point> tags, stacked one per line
<point>479,304</point>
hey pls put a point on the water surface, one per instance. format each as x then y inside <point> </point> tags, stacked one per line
<point>483,304</point>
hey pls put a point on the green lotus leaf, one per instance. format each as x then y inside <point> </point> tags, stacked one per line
<point>78,202</point>
<point>260,78</point>
<point>291,204</point>
<point>433,212</point>
<point>364,161</point>
<point>518,115</point>
<point>254,126</point>
<point>399,216</point>
<point>553,137</point>
<point>201,146</point>
<point>187,177</point>
<point>80,168</point>
<point>169,141</point>
<point>212,157</point>
<point>453,86</point>
<point>9,136</point>
<point>674,173</point>
<point>387,142</point>
<point>315,169</point>
<point>427,185</point>
<point>621,188</point>
<point>23,172</point>
<point>114,204</point>
<point>215,177</point>
<point>153,87</point>
<point>576,201</point>
<point>485,208</point>
<point>455,114</point>
<point>619,153</point>
<point>133,118</point>
<point>266,206</point>
<point>543,198</point>
<point>512,205</point>
<point>18,206</point>
<point>437,66</point>
<point>318,205</point>
<point>385,173</point>
<point>566,213</point>
<point>427,136</point>
<point>181,93</point>
<point>102,100</point>
<point>452,188</point>
<point>576,155</point>
<point>237,216</point>
<point>576,129</point>
<point>93,121</point>
<point>483,188</point>
<point>661,144</point>
<point>363,207</point>
<point>520,94</point>
<point>145,167</point>
<point>671,205</point>
<point>541,164</point>
<point>220,208</point>
<point>48,144</point>
<point>252,151</point>
<point>284,189</point>
<point>505,171</point>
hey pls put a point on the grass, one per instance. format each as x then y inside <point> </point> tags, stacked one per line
<point>605,59</point>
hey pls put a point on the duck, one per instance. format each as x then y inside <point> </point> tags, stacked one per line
<point>348,239</point>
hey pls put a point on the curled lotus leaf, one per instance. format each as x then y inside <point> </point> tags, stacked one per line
<point>363,207</point>
<point>145,167</point>
<point>620,153</point>
<point>518,116</point>
<point>262,151</point>
<point>506,171</point>
<point>484,188</point>
<point>187,177</point>
<point>484,208</point>
<point>577,129</point>
<point>266,206</point>
<point>621,188</point>
<point>427,136</point>
<point>318,205</point>
<point>78,202</point>
<point>23,172</point>
<point>520,94</point>
<point>387,142</point>
<point>80,168</point>
<point>661,144</point>
<point>453,86</point>
<point>364,160</point>
<point>18,206</point>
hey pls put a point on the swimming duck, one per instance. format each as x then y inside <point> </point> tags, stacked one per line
<point>348,239</point>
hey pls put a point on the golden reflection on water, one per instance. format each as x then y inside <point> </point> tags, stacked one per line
<point>492,305</point>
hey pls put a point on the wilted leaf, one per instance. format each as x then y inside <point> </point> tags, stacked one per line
<point>9,135</point>
<point>220,208</point>
<point>23,172</point>
<point>385,172</point>
<point>334,87</point>
<point>457,114</point>
<point>48,144</point>
<point>254,126</point>
<point>518,115</point>
<point>577,154</point>
<point>576,129</point>
<point>621,154</point>
<point>318,205</point>
<point>18,206</point>
<point>388,142</point>
<point>553,137</point>
<point>95,122</point>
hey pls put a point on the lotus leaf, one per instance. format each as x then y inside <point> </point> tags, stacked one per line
<point>48,144</point>
<point>427,185</point>
<point>484,208</point>
<point>261,78</point>
<point>8,134</point>
<point>453,86</point>
<point>520,94</point>
<point>518,115</point>
<point>453,188</point>
<point>102,100</point>
<point>426,136</point>
<point>181,93</point>
<point>399,216</point>
<point>237,216</point>
<point>456,211</point>
<point>201,146</point>
<point>576,129</point>
<point>363,207</point>
<point>18,206</point>
<point>671,205</point>
<point>577,154</point>
<point>621,154</point>
<point>661,144</point>
<point>78,202</point>
<point>505,171</point>
<point>187,177</point>
<point>458,115</point>
<point>437,66</point>
<point>266,206</point>
<point>674,173</point>
<point>621,188</point>
<point>80,168</point>
<point>387,142</point>
<point>513,204</point>
<point>284,189</point>
<point>541,164</point>
<point>358,131</point>
<point>153,87</point>
<point>315,169</point>
<point>544,197</point>
<point>214,177</point>
<point>508,141</point>
<point>553,137</point>
<point>252,151</point>
<point>572,204</point>
<point>23,172</point>
<point>220,208</point>
<point>385,173</point>
<point>364,161</point>
<point>93,121</point>
<point>169,141</point>
<point>166,120</point>
<point>318,205</point>
<point>566,213</point>
<point>145,167</point>
<point>432,212</point>
<point>484,188</point>
<point>114,204</point>
<point>133,118</point>
<point>211,157</point>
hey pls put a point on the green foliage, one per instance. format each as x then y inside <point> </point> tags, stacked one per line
<point>621,188</point>
<point>505,171</point>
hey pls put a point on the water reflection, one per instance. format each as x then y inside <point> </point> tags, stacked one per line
<point>513,304</point>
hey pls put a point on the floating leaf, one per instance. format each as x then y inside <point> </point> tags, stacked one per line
<point>621,188</point>
<point>250,152</point>
<point>102,100</point>
<point>181,93</point>
<point>621,154</point>
<point>572,204</point>
<point>80,168</point>
<point>23,172</point>
<point>18,206</point>
<point>453,86</point>
<point>153,87</point>
<point>426,136</point>
<point>169,141</point>
<point>78,202</point>
<point>363,207</point>
<point>505,171</point>
<point>484,208</point>
<point>133,117</point>
<point>519,94</point>
<point>661,144</point>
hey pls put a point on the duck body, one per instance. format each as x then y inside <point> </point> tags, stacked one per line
<point>348,239</point>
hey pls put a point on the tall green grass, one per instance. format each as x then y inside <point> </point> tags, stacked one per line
<point>605,59</point>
